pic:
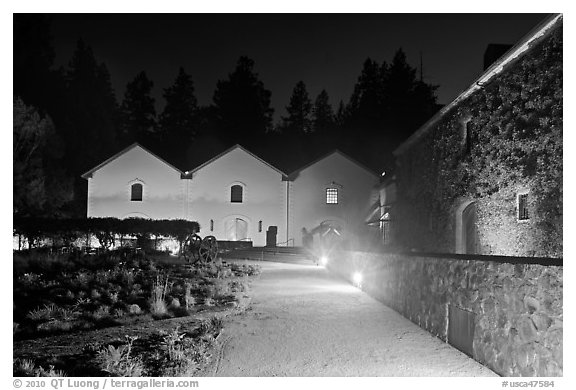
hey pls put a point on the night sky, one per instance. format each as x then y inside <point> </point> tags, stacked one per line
<point>324,50</point>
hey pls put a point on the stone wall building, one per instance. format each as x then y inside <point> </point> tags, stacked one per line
<point>484,175</point>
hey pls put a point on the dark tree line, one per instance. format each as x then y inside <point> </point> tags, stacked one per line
<point>77,122</point>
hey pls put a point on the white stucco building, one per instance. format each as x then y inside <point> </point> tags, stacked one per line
<point>135,183</point>
<point>334,191</point>
<point>236,195</point>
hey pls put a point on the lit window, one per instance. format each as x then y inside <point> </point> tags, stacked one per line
<point>331,195</point>
<point>136,192</point>
<point>523,207</point>
<point>236,194</point>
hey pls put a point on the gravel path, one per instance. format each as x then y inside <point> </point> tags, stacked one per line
<point>305,322</point>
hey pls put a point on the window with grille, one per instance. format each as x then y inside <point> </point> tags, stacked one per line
<point>236,194</point>
<point>136,192</point>
<point>331,195</point>
<point>523,214</point>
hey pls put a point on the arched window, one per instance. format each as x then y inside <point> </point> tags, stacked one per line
<point>136,192</point>
<point>236,193</point>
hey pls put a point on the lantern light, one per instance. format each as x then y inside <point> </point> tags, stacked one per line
<point>357,279</point>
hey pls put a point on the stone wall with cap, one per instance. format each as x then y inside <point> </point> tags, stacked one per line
<point>516,302</point>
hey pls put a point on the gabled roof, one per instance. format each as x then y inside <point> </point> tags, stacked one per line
<point>517,51</point>
<point>335,151</point>
<point>88,174</point>
<point>237,146</point>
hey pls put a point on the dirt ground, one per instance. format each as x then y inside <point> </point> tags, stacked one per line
<point>305,322</point>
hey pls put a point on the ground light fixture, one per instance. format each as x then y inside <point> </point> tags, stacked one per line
<point>357,279</point>
<point>323,261</point>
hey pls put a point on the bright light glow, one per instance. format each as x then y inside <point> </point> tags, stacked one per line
<point>323,260</point>
<point>357,279</point>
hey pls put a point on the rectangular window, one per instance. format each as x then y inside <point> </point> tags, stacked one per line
<point>331,195</point>
<point>523,207</point>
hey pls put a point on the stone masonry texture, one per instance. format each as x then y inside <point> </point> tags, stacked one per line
<point>503,140</point>
<point>518,307</point>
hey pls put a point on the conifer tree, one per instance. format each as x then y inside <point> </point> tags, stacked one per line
<point>178,123</point>
<point>323,115</point>
<point>137,112</point>
<point>299,119</point>
<point>241,109</point>
<point>90,129</point>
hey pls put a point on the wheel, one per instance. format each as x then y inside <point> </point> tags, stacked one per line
<point>208,249</point>
<point>191,248</point>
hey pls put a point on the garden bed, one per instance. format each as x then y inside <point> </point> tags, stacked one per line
<point>131,314</point>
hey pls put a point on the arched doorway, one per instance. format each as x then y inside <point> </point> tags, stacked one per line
<point>236,229</point>
<point>467,241</point>
<point>469,230</point>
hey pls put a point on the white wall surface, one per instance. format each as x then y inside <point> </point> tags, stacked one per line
<point>264,196</point>
<point>308,202</point>
<point>109,189</point>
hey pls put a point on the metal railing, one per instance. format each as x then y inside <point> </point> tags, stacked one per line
<point>286,242</point>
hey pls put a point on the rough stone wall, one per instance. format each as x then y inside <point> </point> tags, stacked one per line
<point>518,307</point>
<point>505,138</point>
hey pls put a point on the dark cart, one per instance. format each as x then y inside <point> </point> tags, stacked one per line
<point>200,249</point>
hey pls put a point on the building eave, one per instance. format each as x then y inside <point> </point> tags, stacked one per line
<point>335,151</point>
<point>90,173</point>
<point>237,146</point>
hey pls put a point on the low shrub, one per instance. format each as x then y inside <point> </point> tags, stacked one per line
<point>158,295</point>
<point>27,368</point>
<point>134,309</point>
<point>178,355</point>
<point>189,299</point>
<point>101,313</point>
<point>221,288</point>
<point>52,312</point>
<point>174,303</point>
<point>56,326</point>
<point>95,294</point>
<point>113,296</point>
<point>119,362</point>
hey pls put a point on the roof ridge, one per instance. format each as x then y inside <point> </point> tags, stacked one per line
<point>326,155</point>
<point>236,146</point>
<point>89,173</point>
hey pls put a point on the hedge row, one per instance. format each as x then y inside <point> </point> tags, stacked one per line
<point>105,229</point>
